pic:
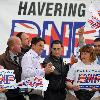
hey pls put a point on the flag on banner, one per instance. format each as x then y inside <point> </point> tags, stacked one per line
<point>94,21</point>
<point>25,26</point>
<point>88,78</point>
<point>8,81</point>
<point>36,82</point>
<point>92,25</point>
<point>82,78</point>
<point>94,11</point>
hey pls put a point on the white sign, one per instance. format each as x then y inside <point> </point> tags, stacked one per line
<point>87,78</point>
<point>8,81</point>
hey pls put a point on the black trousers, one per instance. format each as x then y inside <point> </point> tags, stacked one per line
<point>14,94</point>
<point>20,97</point>
<point>84,94</point>
<point>35,97</point>
<point>54,95</point>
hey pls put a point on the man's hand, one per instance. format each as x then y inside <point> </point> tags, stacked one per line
<point>70,86</point>
<point>76,87</point>
<point>94,89</point>
<point>49,68</point>
<point>3,90</point>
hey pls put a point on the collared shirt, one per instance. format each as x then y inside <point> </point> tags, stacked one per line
<point>31,65</point>
<point>97,61</point>
<point>12,56</point>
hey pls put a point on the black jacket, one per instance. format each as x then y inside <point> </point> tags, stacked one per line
<point>58,77</point>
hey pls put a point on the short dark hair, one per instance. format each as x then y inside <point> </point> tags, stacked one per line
<point>35,40</point>
<point>97,40</point>
<point>19,34</point>
<point>56,42</point>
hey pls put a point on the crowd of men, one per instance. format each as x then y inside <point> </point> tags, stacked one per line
<point>23,56</point>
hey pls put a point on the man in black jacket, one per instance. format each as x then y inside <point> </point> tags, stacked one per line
<point>56,88</point>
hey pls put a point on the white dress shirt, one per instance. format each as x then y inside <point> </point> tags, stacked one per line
<point>31,65</point>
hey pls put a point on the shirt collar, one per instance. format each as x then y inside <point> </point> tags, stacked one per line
<point>34,53</point>
<point>98,60</point>
<point>12,54</point>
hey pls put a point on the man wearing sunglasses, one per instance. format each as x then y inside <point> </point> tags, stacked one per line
<point>56,88</point>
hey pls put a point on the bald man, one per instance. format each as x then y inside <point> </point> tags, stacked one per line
<point>10,60</point>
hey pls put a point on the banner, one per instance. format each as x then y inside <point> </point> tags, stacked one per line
<point>49,19</point>
<point>8,81</point>
<point>36,83</point>
<point>88,78</point>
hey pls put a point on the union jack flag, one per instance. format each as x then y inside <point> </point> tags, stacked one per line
<point>82,78</point>
<point>94,22</point>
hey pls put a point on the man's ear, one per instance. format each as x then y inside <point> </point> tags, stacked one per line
<point>33,46</point>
